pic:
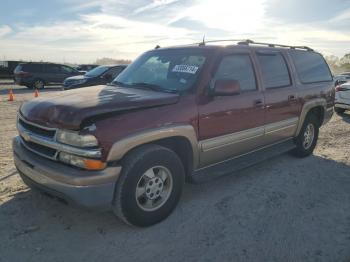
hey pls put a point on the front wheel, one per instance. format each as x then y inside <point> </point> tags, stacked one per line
<point>307,138</point>
<point>150,185</point>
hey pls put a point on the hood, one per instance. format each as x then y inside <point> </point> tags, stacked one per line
<point>70,108</point>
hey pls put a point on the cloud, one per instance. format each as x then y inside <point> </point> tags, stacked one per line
<point>4,30</point>
<point>154,4</point>
<point>124,29</point>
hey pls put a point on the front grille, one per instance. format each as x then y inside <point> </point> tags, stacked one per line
<point>40,149</point>
<point>39,131</point>
<point>50,133</point>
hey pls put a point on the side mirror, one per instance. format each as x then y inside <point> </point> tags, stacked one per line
<point>226,87</point>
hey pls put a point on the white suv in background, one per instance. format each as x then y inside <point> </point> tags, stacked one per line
<point>342,98</point>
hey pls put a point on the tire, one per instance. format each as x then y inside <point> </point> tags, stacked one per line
<point>38,84</point>
<point>133,199</point>
<point>339,111</point>
<point>305,148</point>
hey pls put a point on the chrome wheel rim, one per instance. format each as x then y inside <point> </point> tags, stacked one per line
<point>39,84</point>
<point>309,135</point>
<point>154,188</point>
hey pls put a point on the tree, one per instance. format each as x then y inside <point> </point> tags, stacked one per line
<point>110,61</point>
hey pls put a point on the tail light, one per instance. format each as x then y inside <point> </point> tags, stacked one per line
<point>341,88</point>
<point>23,74</point>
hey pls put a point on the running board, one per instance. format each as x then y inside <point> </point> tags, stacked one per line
<point>231,165</point>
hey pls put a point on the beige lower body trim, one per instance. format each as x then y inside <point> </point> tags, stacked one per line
<point>220,148</point>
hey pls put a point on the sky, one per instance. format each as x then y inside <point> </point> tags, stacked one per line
<point>80,31</point>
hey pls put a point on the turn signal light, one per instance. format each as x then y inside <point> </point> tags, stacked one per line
<point>94,164</point>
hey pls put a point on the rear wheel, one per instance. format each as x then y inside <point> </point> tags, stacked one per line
<point>339,111</point>
<point>150,185</point>
<point>307,138</point>
<point>38,84</point>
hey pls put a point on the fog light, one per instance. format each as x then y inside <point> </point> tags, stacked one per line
<point>91,164</point>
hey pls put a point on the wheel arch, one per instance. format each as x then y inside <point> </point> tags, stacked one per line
<point>181,139</point>
<point>318,107</point>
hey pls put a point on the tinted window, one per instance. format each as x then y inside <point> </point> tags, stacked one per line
<point>50,68</point>
<point>274,70</point>
<point>32,67</point>
<point>67,70</point>
<point>114,72</point>
<point>237,67</point>
<point>97,71</point>
<point>311,67</point>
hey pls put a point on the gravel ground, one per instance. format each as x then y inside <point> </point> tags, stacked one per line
<point>284,209</point>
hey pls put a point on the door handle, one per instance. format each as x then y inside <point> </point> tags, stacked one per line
<point>292,98</point>
<point>258,102</point>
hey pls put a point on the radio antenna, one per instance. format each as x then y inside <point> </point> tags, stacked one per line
<point>203,41</point>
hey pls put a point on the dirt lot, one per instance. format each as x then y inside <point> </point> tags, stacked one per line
<point>284,209</point>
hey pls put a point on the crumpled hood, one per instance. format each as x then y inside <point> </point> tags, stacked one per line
<point>68,109</point>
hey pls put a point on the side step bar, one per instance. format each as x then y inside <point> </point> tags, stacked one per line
<point>240,162</point>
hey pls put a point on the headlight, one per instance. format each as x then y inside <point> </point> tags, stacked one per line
<point>86,163</point>
<point>74,139</point>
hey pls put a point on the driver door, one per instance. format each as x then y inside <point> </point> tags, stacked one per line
<point>232,125</point>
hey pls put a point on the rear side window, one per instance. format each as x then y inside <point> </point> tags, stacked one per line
<point>311,67</point>
<point>274,70</point>
<point>52,68</point>
<point>240,68</point>
<point>32,67</point>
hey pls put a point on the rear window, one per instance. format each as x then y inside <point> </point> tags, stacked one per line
<point>274,70</point>
<point>311,67</point>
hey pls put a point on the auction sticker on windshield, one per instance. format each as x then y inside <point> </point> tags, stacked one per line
<point>190,69</point>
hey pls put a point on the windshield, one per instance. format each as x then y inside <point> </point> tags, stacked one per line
<point>97,71</point>
<point>169,70</point>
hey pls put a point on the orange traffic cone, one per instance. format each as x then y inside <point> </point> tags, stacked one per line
<point>36,93</point>
<point>11,96</point>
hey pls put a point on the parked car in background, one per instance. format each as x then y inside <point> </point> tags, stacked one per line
<point>97,76</point>
<point>341,79</point>
<point>86,68</point>
<point>342,98</point>
<point>38,75</point>
<point>186,113</point>
<point>7,68</point>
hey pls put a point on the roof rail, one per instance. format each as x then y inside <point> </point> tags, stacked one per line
<point>204,42</point>
<point>248,42</point>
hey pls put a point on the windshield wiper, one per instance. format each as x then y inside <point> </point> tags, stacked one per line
<point>153,87</point>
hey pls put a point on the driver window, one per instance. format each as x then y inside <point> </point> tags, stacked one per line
<point>240,68</point>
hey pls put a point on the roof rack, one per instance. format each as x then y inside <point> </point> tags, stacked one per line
<point>247,42</point>
<point>251,42</point>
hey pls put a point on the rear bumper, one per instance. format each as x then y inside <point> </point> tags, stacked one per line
<point>328,115</point>
<point>91,189</point>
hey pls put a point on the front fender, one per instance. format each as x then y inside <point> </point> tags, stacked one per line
<point>120,148</point>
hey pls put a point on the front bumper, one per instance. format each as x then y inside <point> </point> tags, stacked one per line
<point>91,189</point>
<point>342,105</point>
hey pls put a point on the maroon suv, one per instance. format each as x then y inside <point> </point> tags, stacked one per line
<point>175,114</point>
